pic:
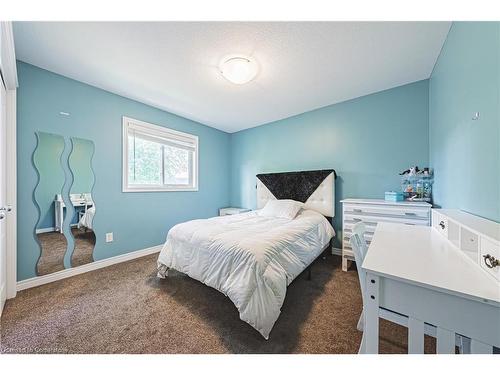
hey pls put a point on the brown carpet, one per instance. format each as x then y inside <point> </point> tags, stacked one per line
<point>84,247</point>
<point>126,309</point>
<point>54,247</point>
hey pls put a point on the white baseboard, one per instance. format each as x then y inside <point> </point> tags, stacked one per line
<point>52,229</point>
<point>69,272</point>
<point>45,230</point>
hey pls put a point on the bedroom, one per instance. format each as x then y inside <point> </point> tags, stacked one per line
<point>250,187</point>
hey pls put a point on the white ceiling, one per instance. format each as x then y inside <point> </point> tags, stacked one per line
<point>173,65</point>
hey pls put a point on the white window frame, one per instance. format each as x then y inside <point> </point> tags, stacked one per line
<point>158,130</point>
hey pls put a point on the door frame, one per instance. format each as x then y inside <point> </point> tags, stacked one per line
<point>11,195</point>
<point>9,75</point>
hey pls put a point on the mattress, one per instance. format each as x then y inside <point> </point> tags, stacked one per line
<point>248,257</point>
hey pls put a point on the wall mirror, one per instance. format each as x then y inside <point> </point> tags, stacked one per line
<point>48,198</point>
<point>81,225</point>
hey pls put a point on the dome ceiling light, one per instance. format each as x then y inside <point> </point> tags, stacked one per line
<point>238,69</point>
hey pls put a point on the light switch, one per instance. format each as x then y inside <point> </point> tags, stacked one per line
<point>109,237</point>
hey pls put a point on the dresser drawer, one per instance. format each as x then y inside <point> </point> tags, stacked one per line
<point>370,231</point>
<point>347,237</point>
<point>372,220</point>
<point>488,253</point>
<point>390,211</point>
<point>350,223</point>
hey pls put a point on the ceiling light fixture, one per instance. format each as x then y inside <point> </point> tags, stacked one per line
<point>238,69</point>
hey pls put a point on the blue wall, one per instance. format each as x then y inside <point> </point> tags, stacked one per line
<point>138,220</point>
<point>47,160</point>
<point>368,141</point>
<point>80,165</point>
<point>465,154</point>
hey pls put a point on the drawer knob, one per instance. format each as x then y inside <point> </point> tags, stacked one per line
<point>441,224</point>
<point>490,261</point>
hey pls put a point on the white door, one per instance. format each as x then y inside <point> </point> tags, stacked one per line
<point>3,196</point>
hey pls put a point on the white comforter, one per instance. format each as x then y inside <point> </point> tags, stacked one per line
<point>250,258</point>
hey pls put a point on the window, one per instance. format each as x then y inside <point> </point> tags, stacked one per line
<point>157,158</point>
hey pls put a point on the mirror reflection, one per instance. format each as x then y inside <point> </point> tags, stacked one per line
<point>80,165</point>
<point>49,231</point>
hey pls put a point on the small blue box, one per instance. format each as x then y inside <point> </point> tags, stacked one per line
<point>394,196</point>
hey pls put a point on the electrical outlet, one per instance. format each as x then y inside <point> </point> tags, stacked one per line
<point>109,237</point>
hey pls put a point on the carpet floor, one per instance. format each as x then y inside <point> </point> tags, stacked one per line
<point>126,309</point>
<point>54,248</point>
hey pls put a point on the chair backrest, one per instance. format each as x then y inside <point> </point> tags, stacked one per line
<point>360,248</point>
<point>360,230</point>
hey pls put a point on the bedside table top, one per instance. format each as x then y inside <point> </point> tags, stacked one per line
<point>234,209</point>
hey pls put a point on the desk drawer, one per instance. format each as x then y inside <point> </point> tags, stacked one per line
<point>389,211</point>
<point>469,243</point>
<point>488,253</point>
<point>440,223</point>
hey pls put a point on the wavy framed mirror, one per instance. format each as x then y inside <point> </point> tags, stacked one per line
<point>48,198</point>
<point>81,225</point>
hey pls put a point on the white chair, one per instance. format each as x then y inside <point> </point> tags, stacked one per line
<point>360,248</point>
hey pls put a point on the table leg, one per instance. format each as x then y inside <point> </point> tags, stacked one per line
<point>346,263</point>
<point>61,218</point>
<point>371,327</point>
<point>56,211</point>
<point>58,220</point>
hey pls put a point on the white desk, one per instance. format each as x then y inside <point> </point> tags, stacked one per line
<point>77,200</point>
<point>417,272</point>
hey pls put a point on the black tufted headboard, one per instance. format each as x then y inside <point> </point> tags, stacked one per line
<point>316,189</point>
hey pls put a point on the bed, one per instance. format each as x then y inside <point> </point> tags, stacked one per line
<point>252,258</point>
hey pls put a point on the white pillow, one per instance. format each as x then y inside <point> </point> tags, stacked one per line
<point>283,208</point>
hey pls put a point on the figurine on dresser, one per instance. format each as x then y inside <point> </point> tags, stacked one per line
<point>416,184</point>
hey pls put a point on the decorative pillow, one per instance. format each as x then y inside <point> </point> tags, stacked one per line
<point>283,208</point>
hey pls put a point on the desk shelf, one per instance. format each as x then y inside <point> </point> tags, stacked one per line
<point>475,236</point>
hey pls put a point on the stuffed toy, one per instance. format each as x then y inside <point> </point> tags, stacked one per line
<point>411,172</point>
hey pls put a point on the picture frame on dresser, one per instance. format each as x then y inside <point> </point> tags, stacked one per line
<point>373,211</point>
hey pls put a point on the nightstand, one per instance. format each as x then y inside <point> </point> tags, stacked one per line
<point>232,211</point>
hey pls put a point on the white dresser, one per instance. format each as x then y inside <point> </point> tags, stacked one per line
<point>373,211</point>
